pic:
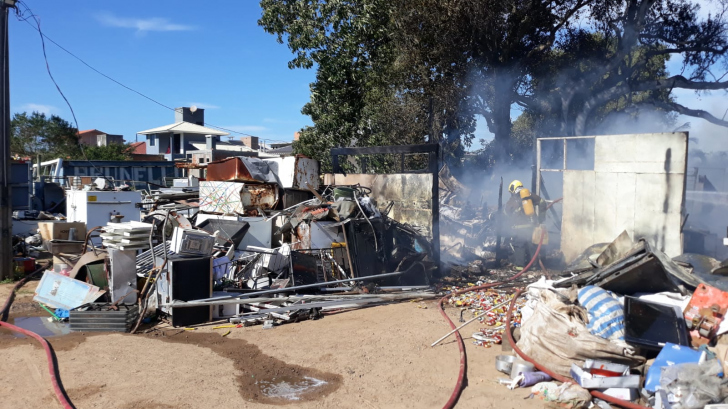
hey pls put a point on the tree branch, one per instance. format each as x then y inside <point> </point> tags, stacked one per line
<point>683,110</point>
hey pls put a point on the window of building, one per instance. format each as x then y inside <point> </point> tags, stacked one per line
<point>151,140</point>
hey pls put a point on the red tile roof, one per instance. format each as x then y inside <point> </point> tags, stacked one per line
<point>89,132</point>
<point>139,148</point>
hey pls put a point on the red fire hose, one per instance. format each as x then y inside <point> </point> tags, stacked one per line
<point>52,368</point>
<point>461,345</point>
<point>596,394</point>
<point>52,365</point>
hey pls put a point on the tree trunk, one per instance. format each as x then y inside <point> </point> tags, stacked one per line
<point>501,110</point>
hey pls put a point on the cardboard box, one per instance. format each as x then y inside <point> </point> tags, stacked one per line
<point>57,247</point>
<point>59,230</point>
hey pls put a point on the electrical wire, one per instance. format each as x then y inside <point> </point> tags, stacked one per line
<point>45,37</point>
<point>50,74</point>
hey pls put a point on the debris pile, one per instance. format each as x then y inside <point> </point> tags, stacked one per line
<point>635,326</point>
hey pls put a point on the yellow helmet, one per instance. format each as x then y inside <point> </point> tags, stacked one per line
<point>514,185</point>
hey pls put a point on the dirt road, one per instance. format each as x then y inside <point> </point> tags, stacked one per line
<point>377,357</point>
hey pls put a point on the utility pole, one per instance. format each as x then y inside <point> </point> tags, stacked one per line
<point>6,203</point>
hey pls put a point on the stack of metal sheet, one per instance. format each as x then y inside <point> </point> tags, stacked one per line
<point>127,236</point>
<point>100,317</point>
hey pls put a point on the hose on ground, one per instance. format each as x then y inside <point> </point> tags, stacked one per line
<point>50,356</point>
<point>52,367</point>
<point>461,344</point>
<point>596,394</point>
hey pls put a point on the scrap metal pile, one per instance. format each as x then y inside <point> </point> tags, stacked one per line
<point>263,243</point>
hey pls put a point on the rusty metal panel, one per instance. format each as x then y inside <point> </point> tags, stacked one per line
<point>229,170</point>
<point>259,196</point>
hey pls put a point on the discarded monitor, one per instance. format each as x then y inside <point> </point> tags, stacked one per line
<point>230,230</point>
<point>651,325</point>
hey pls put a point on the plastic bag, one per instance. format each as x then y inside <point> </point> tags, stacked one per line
<point>569,395</point>
<point>692,386</point>
<point>606,316</point>
<point>556,336</point>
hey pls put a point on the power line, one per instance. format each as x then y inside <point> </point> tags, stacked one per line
<point>43,36</point>
<point>48,68</point>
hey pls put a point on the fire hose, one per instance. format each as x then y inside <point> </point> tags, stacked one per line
<point>461,344</point>
<point>50,356</point>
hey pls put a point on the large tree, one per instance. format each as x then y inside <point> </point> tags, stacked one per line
<point>37,135</point>
<point>424,70</point>
<point>622,62</point>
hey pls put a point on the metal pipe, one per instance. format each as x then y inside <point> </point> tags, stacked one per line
<point>352,297</point>
<point>308,306</point>
<point>182,304</point>
<point>558,138</point>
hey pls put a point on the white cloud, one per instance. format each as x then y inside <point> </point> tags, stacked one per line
<point>43,109</point>
<point>202,105</point>
<point>141,25</point>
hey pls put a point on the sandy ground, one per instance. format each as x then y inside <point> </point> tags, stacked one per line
<point>377,357</point>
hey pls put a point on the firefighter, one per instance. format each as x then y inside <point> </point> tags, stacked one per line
<point>525,223</point>
<point>522,204</point>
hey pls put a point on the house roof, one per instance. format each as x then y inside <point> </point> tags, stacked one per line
<point>139,148</point>
<point>90,132</point>
<point>184,127</point>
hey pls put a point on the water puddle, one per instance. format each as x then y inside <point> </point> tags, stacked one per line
<point>46,327</point>
<point>261,378</point>
<point>290,388</point>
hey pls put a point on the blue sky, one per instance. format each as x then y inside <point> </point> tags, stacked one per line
<point>178,52</point>
<point>182,53</point>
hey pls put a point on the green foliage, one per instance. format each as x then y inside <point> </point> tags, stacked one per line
<point>413,71</point>
<point>53,137</point>
<point>109,152</point>
<point>38,135</point>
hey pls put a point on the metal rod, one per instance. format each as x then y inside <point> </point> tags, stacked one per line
<point>538,166</point>
<point>307,298</point>
<point>308,306</point>
<point>178,304</point>
<point>498,224</point>
<point>6,203</point>
<point>558,138</point>
<point>471,320</point>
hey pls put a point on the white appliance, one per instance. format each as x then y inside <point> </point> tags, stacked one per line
<point>190,242</point>
<point>95,208</point>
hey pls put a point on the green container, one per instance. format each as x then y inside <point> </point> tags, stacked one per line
<point>345,193</point>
